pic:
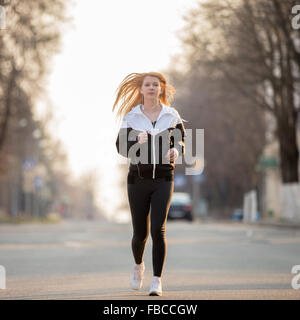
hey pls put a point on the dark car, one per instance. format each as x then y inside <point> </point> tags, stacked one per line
<point>237,214</point>
<point>181,206</point>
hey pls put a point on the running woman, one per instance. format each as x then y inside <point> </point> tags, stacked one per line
<point>152,136</point>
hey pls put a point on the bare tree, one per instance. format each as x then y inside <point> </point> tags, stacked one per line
<point>255,48</point>
<point>31,37</point>
<point>233,133</point>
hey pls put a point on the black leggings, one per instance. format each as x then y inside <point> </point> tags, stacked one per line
<point>143,194</point>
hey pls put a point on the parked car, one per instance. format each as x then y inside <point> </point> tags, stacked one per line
<point>237,214</point>
<point>181,206</point>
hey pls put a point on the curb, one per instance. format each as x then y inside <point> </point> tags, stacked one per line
<point>278,224</point>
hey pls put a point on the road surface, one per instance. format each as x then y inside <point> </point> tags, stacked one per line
<point>93,260</point>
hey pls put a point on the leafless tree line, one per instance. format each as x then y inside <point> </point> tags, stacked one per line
<point>31,38</point>
<point>240,62</point>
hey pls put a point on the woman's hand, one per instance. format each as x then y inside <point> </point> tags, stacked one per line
<point>172,154</point>
<point>143,137</point>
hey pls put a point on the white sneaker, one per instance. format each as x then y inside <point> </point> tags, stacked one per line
<point>156,287</point>
<point>136,279</point>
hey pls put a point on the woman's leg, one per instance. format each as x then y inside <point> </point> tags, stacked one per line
<point>139,195</point>
<point>160,204</point>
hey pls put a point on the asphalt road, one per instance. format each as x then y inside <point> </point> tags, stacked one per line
<point>93,260</point>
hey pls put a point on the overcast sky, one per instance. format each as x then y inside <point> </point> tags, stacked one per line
<point>110,39</point>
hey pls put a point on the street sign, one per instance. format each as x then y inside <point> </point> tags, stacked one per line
<point>266,162</point>
<point>28,164</point>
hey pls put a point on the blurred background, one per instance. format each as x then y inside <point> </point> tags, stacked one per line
<point>234,64</point>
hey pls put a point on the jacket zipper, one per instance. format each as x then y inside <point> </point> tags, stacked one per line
<point>154,164</point>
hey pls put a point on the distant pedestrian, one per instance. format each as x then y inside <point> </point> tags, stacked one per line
<point>147,120</point>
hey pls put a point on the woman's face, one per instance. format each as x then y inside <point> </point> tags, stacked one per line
<point>151,88</point>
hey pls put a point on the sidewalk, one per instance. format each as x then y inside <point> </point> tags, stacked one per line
<point>280,223</point>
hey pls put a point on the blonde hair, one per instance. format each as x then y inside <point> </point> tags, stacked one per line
<point>129,93</point>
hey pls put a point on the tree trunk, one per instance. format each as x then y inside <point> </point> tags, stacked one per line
<point>7,106</point>
<point>289,154</point>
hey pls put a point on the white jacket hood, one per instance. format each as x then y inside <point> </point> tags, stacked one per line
<point>137,120</point>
